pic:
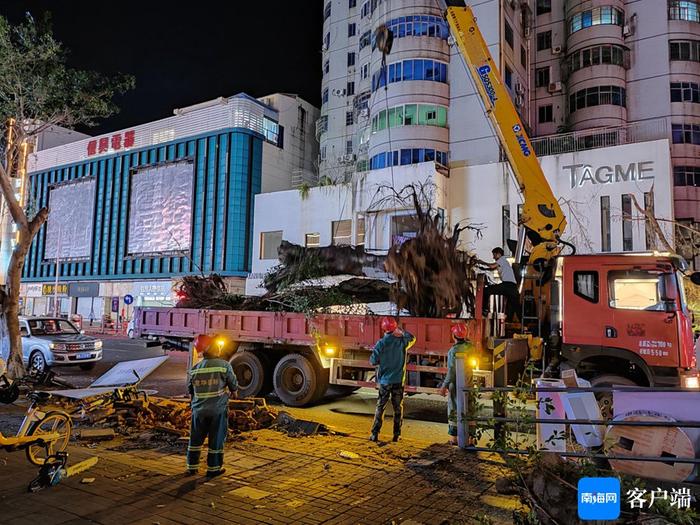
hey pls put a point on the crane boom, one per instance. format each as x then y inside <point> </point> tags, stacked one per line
<point>542,217</point>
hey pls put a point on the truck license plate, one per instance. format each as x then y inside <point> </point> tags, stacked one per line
<point>84,356</point>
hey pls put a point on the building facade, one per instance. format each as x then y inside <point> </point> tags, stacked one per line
<point>133,210</point>
<point>582,74</point>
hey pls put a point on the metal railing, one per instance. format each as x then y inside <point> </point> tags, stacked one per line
<point>601,137</point>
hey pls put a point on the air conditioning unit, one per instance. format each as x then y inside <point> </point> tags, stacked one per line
<point>346,159</point>
<point>554,87</point>
<point>519,100</point>
<point>364,112</point>
<point>519,89</point>
<point>339,92</point>
<point>556,50</point>
<point>627,30</point>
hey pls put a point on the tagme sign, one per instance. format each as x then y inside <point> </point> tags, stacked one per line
<point>582,174</point>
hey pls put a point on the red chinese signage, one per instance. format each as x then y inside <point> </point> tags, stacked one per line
<point>114,143</point>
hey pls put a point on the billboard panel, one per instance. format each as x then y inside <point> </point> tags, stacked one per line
<point>69,227</point>
<point>160,209</point>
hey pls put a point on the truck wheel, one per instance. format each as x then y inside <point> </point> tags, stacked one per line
<point>323,375</point>
<point>297,380</point>
<point>250,373</point>
<point>605,399</point>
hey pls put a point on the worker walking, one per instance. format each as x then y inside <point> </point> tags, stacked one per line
<point>508,287</point>
<point>389,356</point>
<point>448,387</point>
<point>210,381</point>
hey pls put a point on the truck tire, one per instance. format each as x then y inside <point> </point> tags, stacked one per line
<point>297,380</point>
<point>323,375</point>
<point>605,399</point>
<point>249,369</point>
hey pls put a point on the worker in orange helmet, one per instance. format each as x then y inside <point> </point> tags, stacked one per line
<point>448,387</point>
<point>389,356</point>
<point>210,382</point>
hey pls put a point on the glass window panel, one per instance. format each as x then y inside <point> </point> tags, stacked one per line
<point>410,114</point>
<point>408,70</point>
<point>606,55</point>
<point>405,156</point>
<point>442,116</point>
<point>591,97</point>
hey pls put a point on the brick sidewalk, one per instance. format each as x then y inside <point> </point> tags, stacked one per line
<point>271,478</point>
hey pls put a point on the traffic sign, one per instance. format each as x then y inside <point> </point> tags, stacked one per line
<point>128,299</point>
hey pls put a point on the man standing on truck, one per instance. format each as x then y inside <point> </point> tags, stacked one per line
<point>448,387</point>
<point>508,287</point>
<point>389,356</point>
<point>208,383</point>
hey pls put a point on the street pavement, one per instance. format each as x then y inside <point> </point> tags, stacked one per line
<point>425,415</point>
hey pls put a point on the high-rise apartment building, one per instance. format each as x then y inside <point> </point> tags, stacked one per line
<point>572,66</point>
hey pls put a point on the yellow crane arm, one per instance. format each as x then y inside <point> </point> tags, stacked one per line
<point>542,216</point>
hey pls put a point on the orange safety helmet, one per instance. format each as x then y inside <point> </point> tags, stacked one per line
<point>389,324</point>
<point>459,330</point>
<point>202,342</point>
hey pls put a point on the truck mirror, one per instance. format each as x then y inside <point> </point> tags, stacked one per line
<point>670,306</point>
<point>695,278</point>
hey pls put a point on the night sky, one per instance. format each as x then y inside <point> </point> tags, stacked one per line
<point>185,55</point>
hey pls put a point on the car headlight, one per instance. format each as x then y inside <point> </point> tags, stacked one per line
<point>52,346</point>
<point>98,345</point>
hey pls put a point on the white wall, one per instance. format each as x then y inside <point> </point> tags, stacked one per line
<point>477,194</point>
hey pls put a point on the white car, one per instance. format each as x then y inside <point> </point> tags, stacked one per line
<point>49,341</point>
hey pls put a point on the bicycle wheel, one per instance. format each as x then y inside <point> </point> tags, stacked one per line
<point>57,422</point>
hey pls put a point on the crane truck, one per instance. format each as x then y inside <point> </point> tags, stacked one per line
<point>614,318</point>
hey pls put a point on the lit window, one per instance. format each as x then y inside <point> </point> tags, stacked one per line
<point>269,244</point>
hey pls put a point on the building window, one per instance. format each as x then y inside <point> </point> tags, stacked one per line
<point>341,233</point>
<point>686,134</point>
<point>364,72</point>
<point>350,89</point>
<point>508,34</point>
<point>606,15</point>
<point>685,92</point>
<point>410,114</point>
<point>508,77</point>
<point>597,96</point>
<point>683,10</point>
<point>352,30</point>
<point>410,70</point>
<point>592,56</point>
<point>432,26</point>
<point>365,39</point>
<point>348,147</point>
<point>326,67</point>
<point>544,40</point>
<point>545,114</point>
<point>586,285</point>
<point>544,7</point>
<point>269,244</point>
<point>523,56</point>
<point>627,223</point>
<point>324,96</point>
<point>605,243</point>
<point>327,41</point>
<point>312,240</point>
<point>301,120</point>
<point>351,59</point>
<point>327,11</point>
<point>348,118</point>
<point>686,176</point>
<point>271,130</point>
<point>403,227</point>
<point>542,77</point>
<point>352,3</point>
<point>407,156</point>
<point>322,153</point>
<point>360,231</point>
<point>649,212</point>
<point>688,50</point>
<point>365,10</point>
<point>505,225</point>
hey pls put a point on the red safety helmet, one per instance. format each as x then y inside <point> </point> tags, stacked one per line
<point>202,342</point>
<point>389,324</point>
<point>459,330</point>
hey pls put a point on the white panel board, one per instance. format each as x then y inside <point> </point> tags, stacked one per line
<point>69,228</point>
<point>160,209</point>
<point>122,374</point>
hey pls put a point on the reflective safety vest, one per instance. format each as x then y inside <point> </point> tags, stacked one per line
<point>209,384</point>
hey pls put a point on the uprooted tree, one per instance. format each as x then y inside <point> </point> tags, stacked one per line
<point>434,277</point>
<point>38,91</point>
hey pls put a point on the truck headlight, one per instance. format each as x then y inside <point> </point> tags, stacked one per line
<point>329,351</point>
<point>474,363</point>
<point>690,381</point>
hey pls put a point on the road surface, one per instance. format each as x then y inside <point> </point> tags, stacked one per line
<point>424,416</point>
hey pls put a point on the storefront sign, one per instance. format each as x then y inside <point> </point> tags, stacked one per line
<point>580,174</point>
<point>31,290</point>
<point>84,289</point>
<point>153,289</point>
<point>116,142</point>
<point>48,289</point>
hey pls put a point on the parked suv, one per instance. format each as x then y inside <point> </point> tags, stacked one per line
<point>49,341</point>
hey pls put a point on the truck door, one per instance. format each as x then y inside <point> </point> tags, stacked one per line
<point>583,307</point>
<point>643,302</point>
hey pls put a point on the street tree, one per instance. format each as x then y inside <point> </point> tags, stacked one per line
<point>38,91</point>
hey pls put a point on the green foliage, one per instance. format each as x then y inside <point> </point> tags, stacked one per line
<point>304,190</point>
<point>37,87</point>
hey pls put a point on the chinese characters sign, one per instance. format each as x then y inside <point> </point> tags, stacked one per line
<point>116,142</point>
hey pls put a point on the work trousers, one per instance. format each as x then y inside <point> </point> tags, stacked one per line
<point>452,411</point>
<point>395,392</point>
<point>509,291</point>
<point>213,426</point>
